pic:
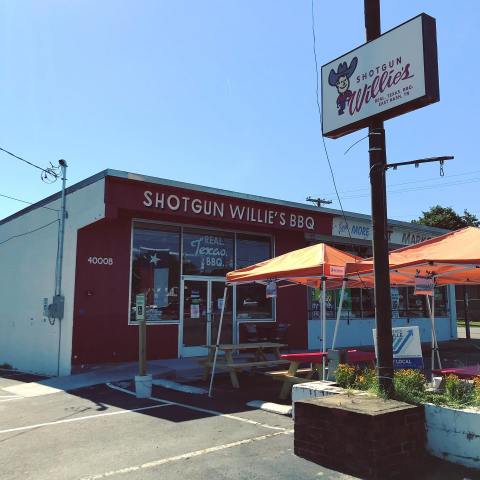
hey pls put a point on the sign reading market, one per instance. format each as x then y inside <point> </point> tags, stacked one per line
<point>391,75</point>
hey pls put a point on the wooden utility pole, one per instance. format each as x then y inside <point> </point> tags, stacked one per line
<point>378,161</point>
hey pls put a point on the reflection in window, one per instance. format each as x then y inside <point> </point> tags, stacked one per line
<point>252,250</point>
<point>207,253</point>
<point>252,303</point>
<point>156,271</point>
<point>441,301</point>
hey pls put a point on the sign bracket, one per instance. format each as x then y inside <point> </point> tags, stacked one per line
<point>418,162</point>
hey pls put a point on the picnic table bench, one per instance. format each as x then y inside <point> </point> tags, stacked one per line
<point>290,376</point>
<point>230,363</point>
<point>461,372</point>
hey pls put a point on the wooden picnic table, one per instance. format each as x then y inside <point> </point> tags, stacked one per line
<point>259,359</point>
<point>290,377</point>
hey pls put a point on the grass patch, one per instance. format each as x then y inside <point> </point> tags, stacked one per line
<point>474,324</point>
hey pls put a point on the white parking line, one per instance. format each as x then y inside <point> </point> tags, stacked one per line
<point>184,456</point>
<point>203,410</point>
<point>78,419</point>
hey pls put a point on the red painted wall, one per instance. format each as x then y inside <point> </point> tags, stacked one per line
<point>100,329</point>
<point>101,332</point>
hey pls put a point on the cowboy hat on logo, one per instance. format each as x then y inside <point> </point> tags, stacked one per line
<point>342,71</point>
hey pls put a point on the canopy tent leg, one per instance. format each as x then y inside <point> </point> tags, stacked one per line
<point>339,313</point>
<point>435,350</point>
<point>218,341</point>
<point>324,325</point>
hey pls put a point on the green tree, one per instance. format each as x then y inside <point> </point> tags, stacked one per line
<point>446,217</point>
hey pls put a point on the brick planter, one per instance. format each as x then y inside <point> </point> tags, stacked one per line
<point>360,435</point>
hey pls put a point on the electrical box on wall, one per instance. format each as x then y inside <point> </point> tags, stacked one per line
<point>56,308</point>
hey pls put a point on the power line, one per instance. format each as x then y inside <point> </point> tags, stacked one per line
<point>319,109</point>
<point>409,182</point>
<point>29,232</point>
<point>46,171</point>
<point>25,201</point>
<point>421,188</point>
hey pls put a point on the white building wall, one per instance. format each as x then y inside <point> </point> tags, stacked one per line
<point>27,275</point>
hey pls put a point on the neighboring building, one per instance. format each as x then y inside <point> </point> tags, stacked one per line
<point>129,233</point>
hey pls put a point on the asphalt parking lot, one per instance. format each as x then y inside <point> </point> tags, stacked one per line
<point>106,432</point>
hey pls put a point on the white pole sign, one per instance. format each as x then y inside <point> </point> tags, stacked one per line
<point>391,75</point>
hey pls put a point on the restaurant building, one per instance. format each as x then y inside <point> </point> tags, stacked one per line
<point>128,234</point>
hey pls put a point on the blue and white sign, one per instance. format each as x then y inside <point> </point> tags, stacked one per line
<point>407,350</point>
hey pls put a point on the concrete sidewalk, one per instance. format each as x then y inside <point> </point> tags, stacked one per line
<point>171,368</point>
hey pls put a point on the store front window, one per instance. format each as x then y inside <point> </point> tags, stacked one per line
<point>207,253</point>
<point>163,254</point>
<point>252,303</point>
<point>156,271</point>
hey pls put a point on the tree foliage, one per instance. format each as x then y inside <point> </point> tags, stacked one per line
<point>446,217</point>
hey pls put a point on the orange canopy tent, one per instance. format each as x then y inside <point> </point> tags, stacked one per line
<point>316,266</point>
<point>450,259</point>
<point>307,266</point>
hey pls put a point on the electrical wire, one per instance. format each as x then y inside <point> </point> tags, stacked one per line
<point>29,232</point>
<point>319,109</point>
<point>410,182</point>
<point>45,171</point>
<point>420,188</point>
<point>25,201</point>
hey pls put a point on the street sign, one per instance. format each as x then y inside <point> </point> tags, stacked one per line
<point>386,77</point>
<point>407,350</point>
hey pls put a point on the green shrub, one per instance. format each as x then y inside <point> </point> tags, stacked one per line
<point>345,376</point>
<point>409,386</point>
<point>476,387</point>
<point>366,380</point>
<point>459,393</point>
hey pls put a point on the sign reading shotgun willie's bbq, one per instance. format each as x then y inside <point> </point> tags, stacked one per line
<point>389,76</point>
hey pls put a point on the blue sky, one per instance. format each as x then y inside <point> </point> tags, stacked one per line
<point>222,93</point>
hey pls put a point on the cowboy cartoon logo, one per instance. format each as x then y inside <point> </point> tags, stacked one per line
<point>341,80</point>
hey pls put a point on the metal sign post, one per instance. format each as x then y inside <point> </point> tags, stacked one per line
<point>142,334</point>
<point>378,160</point>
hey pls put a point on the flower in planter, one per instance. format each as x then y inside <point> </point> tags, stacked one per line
<point>459,393</point>
<point>409,386</point>
<point>345,375</point>
<point>476,386</point>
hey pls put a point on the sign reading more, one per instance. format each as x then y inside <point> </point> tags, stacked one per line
<point>393,74</point>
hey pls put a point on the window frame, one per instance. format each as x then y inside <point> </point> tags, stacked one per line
<point>181,226</point>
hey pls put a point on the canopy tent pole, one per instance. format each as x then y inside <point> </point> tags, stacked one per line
<point>431,313</point>
<point>339,313</point>
<point>218,341</point>
<point>324,325</point>
<point>435,331</point>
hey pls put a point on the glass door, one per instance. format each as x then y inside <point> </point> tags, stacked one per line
<point>196,317</point>
<point>202,306</point>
